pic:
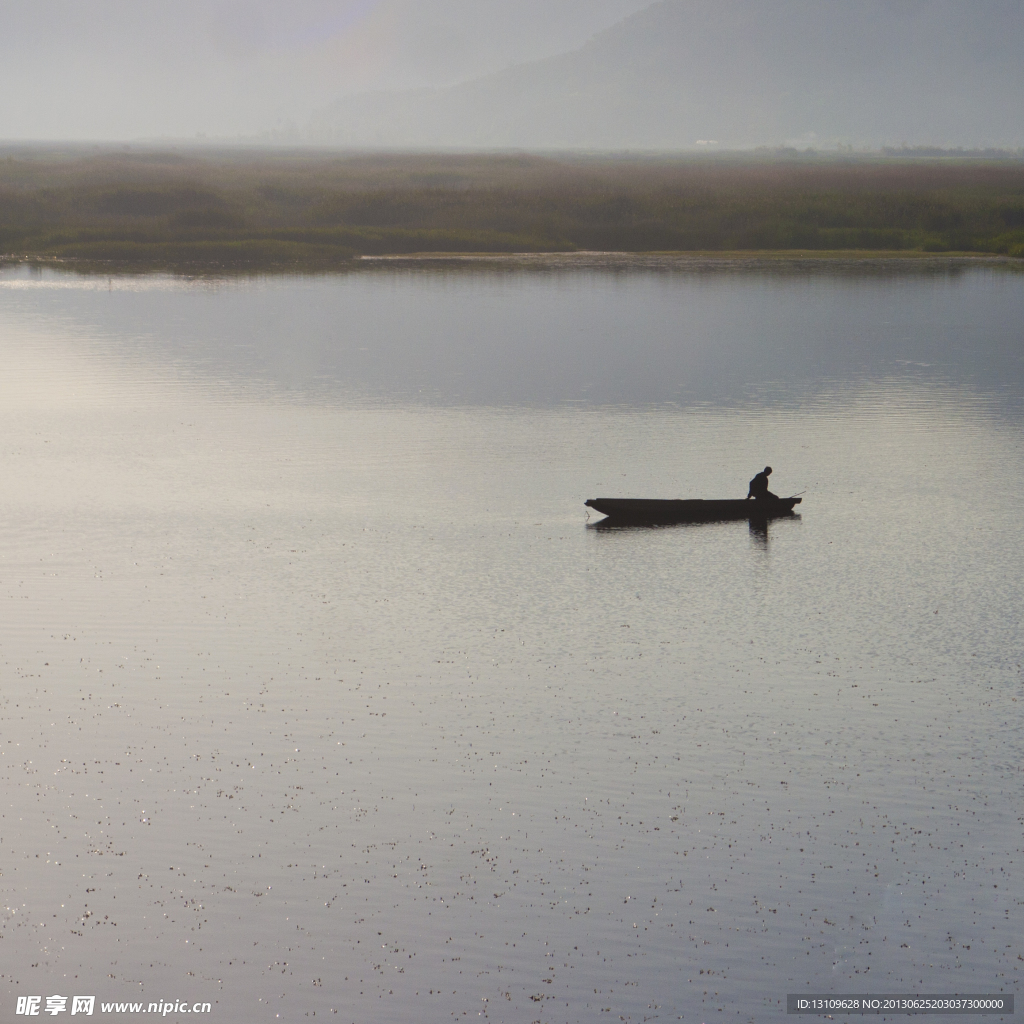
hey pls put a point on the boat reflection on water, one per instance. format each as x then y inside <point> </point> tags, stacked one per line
<point>758,527</point>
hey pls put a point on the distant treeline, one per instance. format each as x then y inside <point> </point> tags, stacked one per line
<point>959,153</point>
<point>266,209</point>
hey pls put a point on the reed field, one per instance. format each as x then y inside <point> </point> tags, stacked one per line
<point>246,208</point>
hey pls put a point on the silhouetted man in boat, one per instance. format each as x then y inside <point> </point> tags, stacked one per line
<point>758,489</point>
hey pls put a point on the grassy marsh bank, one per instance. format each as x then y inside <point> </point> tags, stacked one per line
<point>266,210</point>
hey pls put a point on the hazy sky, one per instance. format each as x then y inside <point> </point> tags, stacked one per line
<point>123,69</point>
<point>734,74</point>
<point>675,74</point>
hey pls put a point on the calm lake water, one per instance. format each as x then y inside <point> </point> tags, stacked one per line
<point>319,695</point>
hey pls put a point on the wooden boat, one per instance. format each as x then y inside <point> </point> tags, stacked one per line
<point>653,511</point>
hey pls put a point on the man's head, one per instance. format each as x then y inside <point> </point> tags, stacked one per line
<point>767,470</point>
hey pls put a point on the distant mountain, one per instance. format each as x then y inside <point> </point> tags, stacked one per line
<point>685,73</point>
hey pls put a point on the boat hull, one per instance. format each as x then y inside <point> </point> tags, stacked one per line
<point>654,511</point>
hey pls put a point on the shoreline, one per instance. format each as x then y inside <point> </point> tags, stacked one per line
<point>702,258</point>
<point>223,214</point>
<point>706,260</point>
